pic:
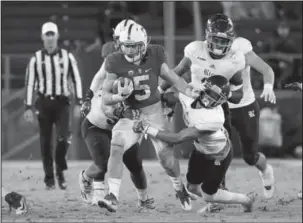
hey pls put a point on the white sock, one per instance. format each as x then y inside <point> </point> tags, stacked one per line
<point>226,197</point>
<point>99,186</point>
<point>177,183</point>
<point>114,186</point>
<point>4,192</point>
<point>142,194</point>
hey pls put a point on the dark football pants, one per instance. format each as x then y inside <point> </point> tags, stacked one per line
<point>98,143</point>
<point>227,126</point>
<point>53,111</point>
<point>246,122</point>
<point>203,170</point>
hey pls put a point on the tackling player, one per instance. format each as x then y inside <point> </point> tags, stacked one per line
<point>204,118</point>
<point>96,131</point>
<point>210,56</point>
<point>15,201</point>
<point>297,87</point>
<point>141,65</point>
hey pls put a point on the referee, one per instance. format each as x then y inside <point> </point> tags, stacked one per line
<point>48,73</point>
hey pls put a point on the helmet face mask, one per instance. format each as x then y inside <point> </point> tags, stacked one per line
<point>134,42</point>
<point>213,94</point>
<point>133,50</point>
<point>219,35</point>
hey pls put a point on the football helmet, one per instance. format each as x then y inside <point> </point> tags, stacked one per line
<point>220,35</point>
<point>124,24</point>
<point>134,42</point>
<point>215,92</point>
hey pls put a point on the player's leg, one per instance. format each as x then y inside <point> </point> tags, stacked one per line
<point>15,201</point>
<point>62,129</point>
<point>248,129</point>
<point>45,129</point>
<point>166,155</point>
<point>227,126</point>
<point>98,143</point>
<point>210,188</point>
<point>123,138</point>
<point>133,162</point>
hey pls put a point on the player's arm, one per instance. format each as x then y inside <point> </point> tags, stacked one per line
<point>256,62</point>
<point>182,68</point>
<point>177,82</point>
<point>30,78</point>
<point>236,88</point>
<point>108,97</point>
<point>75,75</point>
<point>96,83</point>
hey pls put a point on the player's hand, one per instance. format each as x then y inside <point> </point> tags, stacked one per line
<point>268,94</point>
<point>294,86</point>
<point>140,126</point>
<point>29,116</point>
<point>127,89</point>
<point>85,108</point>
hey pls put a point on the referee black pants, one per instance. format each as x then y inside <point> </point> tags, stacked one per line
<point>53,111</point>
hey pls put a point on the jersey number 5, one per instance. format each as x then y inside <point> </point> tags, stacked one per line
<point>141,87</point>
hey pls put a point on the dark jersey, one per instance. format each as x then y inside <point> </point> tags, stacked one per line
<point>108,48</point>
<point>144,76</point>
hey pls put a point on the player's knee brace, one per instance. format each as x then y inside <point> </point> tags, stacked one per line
<point>251,158</point>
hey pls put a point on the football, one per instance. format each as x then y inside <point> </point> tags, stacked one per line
<point>123,81</point>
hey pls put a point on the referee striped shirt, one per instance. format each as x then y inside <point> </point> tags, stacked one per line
<point>49,74</point>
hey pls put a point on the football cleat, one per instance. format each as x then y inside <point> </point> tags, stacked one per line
<point>85,188</point>
<point>248,206</point>
<point>268,180</point>
<point>17,202</point>
<point>110,202</point>
<point>148,204</point>
<point>98,195</point>
<point>184,198</point>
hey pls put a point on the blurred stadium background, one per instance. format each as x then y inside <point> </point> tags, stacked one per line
<point>274,28</point>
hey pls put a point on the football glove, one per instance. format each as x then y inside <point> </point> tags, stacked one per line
<point>85,108</point>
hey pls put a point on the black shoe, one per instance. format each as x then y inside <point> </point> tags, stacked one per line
<point>61,180</point>
<point>50,183</point>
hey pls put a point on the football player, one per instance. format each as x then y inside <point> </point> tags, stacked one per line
<point>15,201</point>
<point>204,118</point>
<point>297,87</point>
<point>96,132</point>
<point>141,64</point>
<point>221,45</point>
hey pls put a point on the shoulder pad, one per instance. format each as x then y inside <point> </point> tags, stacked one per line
<point>242,44</point>
<point>192,47</point>
<point>238,59</point>
<point>112,62</point>
<point>159,52</point>
<point>107,49</point>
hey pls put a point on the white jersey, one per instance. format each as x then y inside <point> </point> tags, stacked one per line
<point>211,120</point>
<point>96,115</point>
<point>203,66</point>
<point>244,45</point>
